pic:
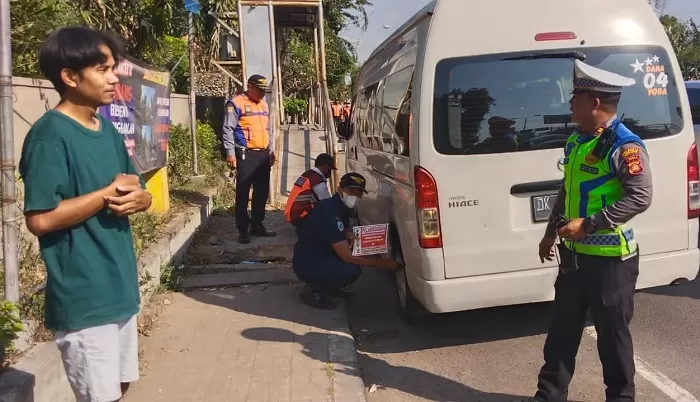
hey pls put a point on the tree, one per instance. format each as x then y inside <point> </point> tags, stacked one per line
<point>685,39</point>
<point>297,49</point>
<point>32,21</point>
<point>152,30</point>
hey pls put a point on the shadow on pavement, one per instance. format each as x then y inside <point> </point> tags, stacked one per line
<point>690,290</point>
<point>440,388</point>
<point>375,322</point>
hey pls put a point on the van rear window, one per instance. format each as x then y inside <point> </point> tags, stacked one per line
<point>694,97</point>
<point>486,104</point>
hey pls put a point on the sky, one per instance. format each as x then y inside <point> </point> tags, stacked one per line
<point>395,12</point>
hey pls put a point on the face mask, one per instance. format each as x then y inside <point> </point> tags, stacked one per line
<point>349,200</point>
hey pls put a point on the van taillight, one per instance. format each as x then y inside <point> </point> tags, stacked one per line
<point>427,209</point>
<point>693,183</point>
<point>548,36</point>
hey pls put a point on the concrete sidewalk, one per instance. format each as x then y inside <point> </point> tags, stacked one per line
<point>252,342</point>
<point>256,343</point>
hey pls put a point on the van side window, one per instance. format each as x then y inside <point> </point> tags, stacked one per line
<point>375,113</point>
<point>503,103</point>
<point>403,121</point>
<point>364,115</point>
<point>694,97</point>
<point>395,111</point>
<point>352,119</point>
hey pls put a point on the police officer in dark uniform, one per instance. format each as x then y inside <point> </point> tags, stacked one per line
<point>322,254</point>
<point>249,143</point>
<point>607,182</point>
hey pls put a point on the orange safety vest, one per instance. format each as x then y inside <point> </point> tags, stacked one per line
<point>302,199</point>
<point>253,118</point>
<point>337,110</point>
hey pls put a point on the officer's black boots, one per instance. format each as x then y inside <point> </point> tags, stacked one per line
<point>316,299</point>
<point>244,238</point>
<point>261,231</point>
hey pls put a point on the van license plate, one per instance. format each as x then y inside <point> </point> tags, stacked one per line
<point>542,206</point>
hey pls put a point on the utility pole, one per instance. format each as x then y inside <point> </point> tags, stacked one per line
<point>193,7</point>
<point>10,218</point>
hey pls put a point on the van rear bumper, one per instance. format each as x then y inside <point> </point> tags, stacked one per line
<point>536,285</point>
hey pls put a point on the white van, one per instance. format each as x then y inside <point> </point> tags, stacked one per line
<point>468,203</point>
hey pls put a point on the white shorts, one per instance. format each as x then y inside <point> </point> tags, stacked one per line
<point>98,359</point>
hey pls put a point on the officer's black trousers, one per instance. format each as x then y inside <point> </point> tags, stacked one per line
<point>253,171</point>
<point>606,286</point>
<point>326,274</point>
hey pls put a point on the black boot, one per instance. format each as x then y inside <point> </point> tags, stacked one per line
<point>261,231</point>
<point>317,299</point>
<point>243,237</point>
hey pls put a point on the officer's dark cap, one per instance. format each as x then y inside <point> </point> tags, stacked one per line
<point>325,159</point>
<point>258,81</point>
<point>353,180</point>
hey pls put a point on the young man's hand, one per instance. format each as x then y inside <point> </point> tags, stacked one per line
<point>133,200</point>
<point>123,180</point>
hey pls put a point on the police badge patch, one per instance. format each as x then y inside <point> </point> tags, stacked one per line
<point>341,227</point>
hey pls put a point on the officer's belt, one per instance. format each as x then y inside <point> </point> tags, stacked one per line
<point>607,239</point>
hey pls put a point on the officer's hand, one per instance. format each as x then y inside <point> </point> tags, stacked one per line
<point>386,264</point>
<point>547,248</point>
<point>573,230</point>
<point>231,161</point>
<point>272,159</point>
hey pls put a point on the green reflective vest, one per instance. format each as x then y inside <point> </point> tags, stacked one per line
<point>590,186</point>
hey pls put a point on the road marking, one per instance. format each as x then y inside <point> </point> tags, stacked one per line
<point>655,377</point>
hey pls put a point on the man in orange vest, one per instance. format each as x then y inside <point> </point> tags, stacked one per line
<point>310,188</point>
<point>249,143</point>
<point>337,109</point>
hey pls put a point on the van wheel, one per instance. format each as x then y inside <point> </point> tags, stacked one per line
<point>410,309</point>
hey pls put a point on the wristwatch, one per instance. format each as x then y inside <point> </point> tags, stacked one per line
<point>589,226</point>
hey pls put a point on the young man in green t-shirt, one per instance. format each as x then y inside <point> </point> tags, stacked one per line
<point>80,187</point>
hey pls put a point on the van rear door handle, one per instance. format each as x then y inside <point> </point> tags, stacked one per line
<point>536,186</point>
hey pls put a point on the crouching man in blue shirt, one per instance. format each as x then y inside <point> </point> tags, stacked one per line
<point>322,254</point>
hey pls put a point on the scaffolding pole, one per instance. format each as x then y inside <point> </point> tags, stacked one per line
<point>193,97</point>
<point>10,216</point>
<point>331,142</point>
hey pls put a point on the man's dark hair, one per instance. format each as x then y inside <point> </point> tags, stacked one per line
<point>75,48</point>
<point>608,101</point>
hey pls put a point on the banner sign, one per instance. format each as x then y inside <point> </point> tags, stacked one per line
<point>141,113</point>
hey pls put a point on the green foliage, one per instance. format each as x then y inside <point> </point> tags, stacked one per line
<point>144,230</point>
<point>10,324</point>
<point>180,152</point>
<point>341,13</point>
<point>295,106</point>
<point>169,276</point>
<point>32,21</point>
<point>685,39</point>
<point>298,73</point>
<point>166,55</point>
<point>146,27</point>
<point>297,50</point>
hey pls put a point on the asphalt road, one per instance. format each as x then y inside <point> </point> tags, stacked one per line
<point>495,354</point>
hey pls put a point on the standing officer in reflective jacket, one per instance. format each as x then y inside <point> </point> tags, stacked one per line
<point>607,182</point>
<point>249,144</point>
